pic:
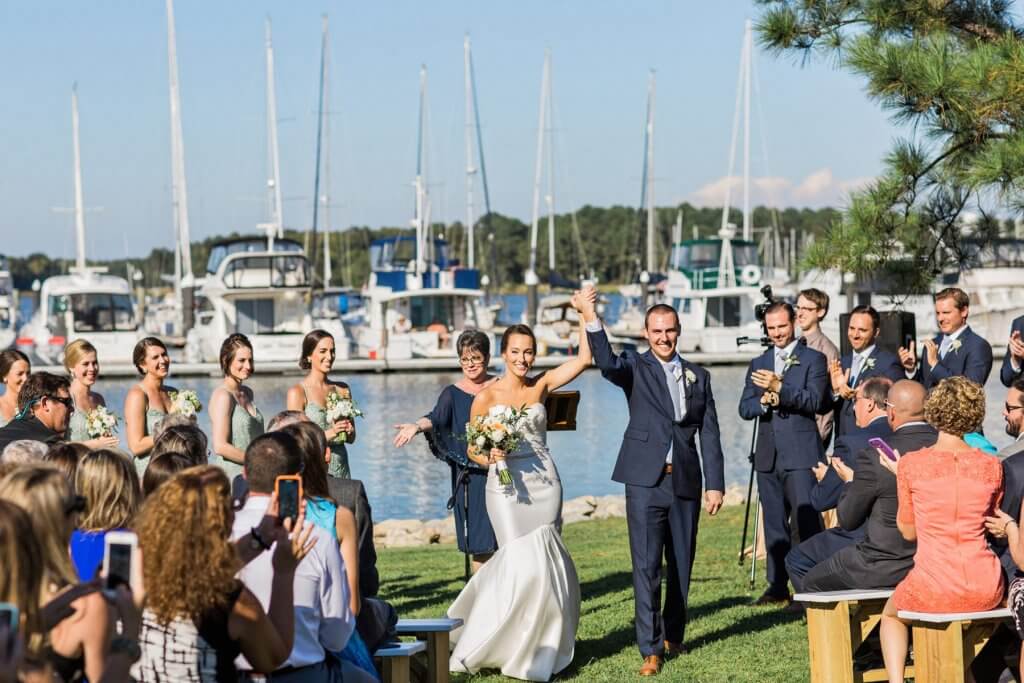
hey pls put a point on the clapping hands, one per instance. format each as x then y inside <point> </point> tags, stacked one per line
<point>1016,347</point>
<point>840,380</point>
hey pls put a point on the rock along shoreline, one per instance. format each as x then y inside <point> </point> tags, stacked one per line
<point>407,533</point>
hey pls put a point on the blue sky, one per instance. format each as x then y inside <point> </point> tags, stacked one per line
<point>822,135</point>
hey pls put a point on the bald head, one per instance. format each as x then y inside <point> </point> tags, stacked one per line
<point>906,399</point>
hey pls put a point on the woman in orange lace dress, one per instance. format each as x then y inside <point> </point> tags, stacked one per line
<point>945,493</point>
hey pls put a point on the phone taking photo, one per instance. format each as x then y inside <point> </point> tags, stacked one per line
<point>884,447</point>
<point>118,555</point>
<point>9,615</point>
<point>289,496</point>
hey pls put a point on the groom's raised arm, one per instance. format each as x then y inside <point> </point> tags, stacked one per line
<point>613,367</point>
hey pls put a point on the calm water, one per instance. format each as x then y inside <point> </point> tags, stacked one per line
<point>411,483</point>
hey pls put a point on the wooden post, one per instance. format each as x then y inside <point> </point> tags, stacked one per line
<point>437,657</point>
<point>828,637</point>
<point>939,652</point>
<point>396,669</point>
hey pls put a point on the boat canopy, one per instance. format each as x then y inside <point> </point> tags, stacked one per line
<point>396,253</point>
<point>224,248</point>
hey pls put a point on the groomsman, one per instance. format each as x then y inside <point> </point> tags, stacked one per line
<point>1013,361</point>
<point>955,351</point>
<point>785,389</point>
<point>670,403</point>
<point>865,361</point>
<point>811,309</point>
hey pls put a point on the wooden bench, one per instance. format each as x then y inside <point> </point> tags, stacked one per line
<point>837,624</point>
<point>946,644</point>
<point>436,633</point>
<point>395,659</point>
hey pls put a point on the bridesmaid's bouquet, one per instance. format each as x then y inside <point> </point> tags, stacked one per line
<point>341,407</point>
<point>100,422</point>
<point>185,403</point>
<point>500,428</point>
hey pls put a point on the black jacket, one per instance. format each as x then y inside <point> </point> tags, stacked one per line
<point>884,557</point>
<point>30,429</point>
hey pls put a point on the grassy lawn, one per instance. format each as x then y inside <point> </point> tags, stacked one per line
<point>727,639</point>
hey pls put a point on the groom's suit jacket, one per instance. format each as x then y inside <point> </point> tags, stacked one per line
<point>789,431</point>
<point>652,425</point>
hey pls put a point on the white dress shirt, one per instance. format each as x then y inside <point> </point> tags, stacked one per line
<point>323,619</point>
<point>944,343</point>
<point>857,363</point>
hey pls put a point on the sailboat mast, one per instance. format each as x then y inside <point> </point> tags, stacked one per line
<point>483,173</point>
<point>747,51</point>
<point>317,197</point>
<point>539,167</point>
<point>651,267</point>
<point>325,122</point>
<point>274,183</point>
<point>470,157</point>
<point>79,203</point>
<point>550,198</point>
<point>420,182</point>
<point>740,80</point>
<point>183,277</point>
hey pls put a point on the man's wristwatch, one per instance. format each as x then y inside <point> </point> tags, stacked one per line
<point>257,542</point>
<point>126,646</point>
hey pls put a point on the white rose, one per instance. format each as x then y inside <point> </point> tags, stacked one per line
<point>481,441</point>
<point>497,436</point>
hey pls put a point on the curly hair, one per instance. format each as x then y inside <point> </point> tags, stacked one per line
<point>110,484</point>
<point>184,529</point>
<point>45,494</point>
<point>956,405</point>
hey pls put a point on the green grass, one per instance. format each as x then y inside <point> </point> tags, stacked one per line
<point>727,639</point>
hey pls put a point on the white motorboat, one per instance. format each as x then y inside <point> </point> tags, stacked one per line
<point>8,305</point>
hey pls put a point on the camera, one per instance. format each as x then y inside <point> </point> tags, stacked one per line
<point>760,310</point>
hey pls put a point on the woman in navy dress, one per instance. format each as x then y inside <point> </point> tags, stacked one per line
<point>445,429</point>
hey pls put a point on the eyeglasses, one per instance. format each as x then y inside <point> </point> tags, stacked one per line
<point>75,504</point>
<point>890,405</point>
<point>1010,408</point>
<point>807,309</point>
<point>470,362</point>
<point>66,400</point>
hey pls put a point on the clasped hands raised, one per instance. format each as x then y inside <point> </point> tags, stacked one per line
<point>770,382</point>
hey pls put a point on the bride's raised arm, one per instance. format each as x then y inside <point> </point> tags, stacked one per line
<point>571,369</point>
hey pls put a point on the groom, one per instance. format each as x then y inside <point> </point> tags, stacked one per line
<point>670,402</point>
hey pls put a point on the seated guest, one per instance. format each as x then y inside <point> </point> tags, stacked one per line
<point>1013,362</point>
<point>198,616</point>
<point>945,492</point>
<point>866,360</point>
<point>870,413</point>
<point>65,456</point>
<point>323,618</point>
<point>44,408</point>
<point>184,438</point>
<point>24,452</point>
<point>110,485</point>
<point>882,557</point>
<point>955,352</point>
<point>161,468</point>
<point>172,420</point>
<point>1013,473</point>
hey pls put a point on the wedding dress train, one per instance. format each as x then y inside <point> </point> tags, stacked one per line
<point>522,608</point>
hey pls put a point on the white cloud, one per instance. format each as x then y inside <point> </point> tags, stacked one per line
<point>820,188</point>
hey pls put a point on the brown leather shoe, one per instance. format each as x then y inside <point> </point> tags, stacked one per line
<point>651,667</point>
<point>673,649</point>
<point>768,598</point>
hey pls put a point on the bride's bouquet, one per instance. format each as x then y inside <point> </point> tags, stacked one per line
<point>501,427</point>
<point>100,422</point>
<point>185,403</point>
<point>341,407</point>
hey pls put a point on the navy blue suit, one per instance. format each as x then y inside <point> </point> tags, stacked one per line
<point>662,510</point>
<point>885,365</point>
<point>788,446</point>
<point>972,359</point>
<point>1007,374</point>
<point>825,496</point>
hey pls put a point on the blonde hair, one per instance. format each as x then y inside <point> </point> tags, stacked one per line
<point>44,492</point>
<point>76,351</point>
<point>188,561</point>
<point>108,481</point>
<point>956,405</point>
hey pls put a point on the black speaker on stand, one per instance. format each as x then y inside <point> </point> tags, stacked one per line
<point>899,328</point>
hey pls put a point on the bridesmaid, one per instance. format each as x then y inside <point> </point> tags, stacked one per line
<point>445,428</point>
<point>149,401</point>
<point>310,396</point>
<point>14,370</point>
<point>84,368</point>
<point>234,417</point>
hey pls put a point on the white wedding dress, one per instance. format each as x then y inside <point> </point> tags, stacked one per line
<point>522,608</point>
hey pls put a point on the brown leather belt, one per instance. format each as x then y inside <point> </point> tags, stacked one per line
<point>668,469</point>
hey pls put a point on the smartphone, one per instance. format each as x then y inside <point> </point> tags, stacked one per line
<point>118,554</point>
<point>289,496</point>
<point>884,447</point>
<point>9,615</point>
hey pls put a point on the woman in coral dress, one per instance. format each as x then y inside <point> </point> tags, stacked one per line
<point>945,493</point>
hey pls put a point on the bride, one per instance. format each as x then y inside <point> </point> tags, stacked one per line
<point>522,608</point>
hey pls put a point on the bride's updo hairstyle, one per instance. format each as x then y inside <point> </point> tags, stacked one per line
<point>517,329</point>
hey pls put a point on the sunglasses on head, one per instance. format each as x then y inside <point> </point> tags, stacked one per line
<point>66,400</point>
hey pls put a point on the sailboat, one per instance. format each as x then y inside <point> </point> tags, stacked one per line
<point>418,298</point>
<point>715,283</point>
<point>87,302</point>
<point>259,286</point>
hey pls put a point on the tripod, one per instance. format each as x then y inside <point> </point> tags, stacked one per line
<point>746,513</point>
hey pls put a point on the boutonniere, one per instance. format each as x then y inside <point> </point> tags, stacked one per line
<point>690,377</point>
<point>791,360</point>
<point>954,345</point>
<point>869,363</point>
